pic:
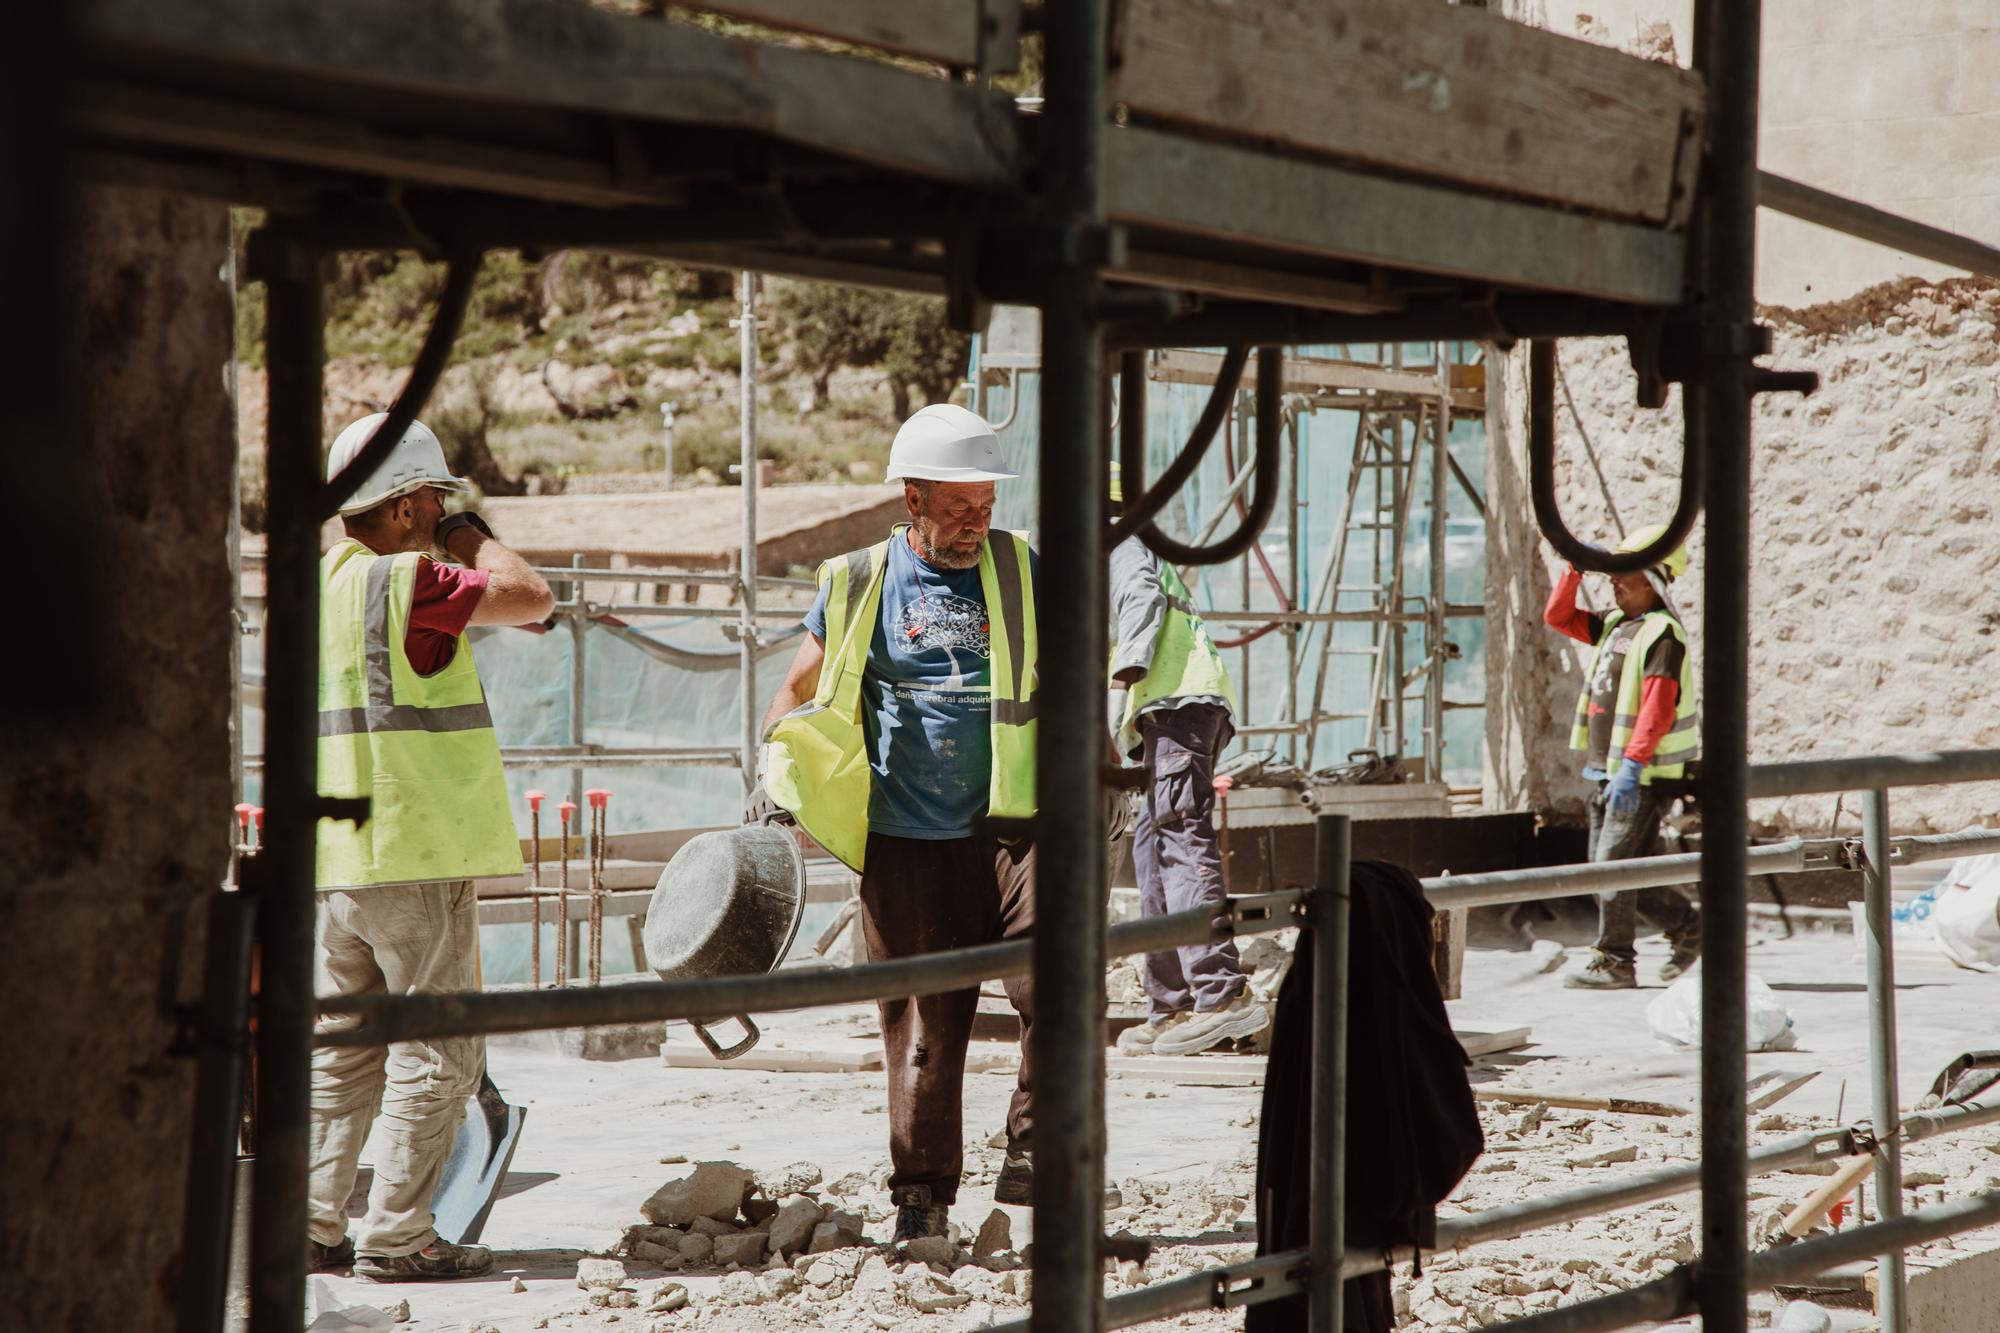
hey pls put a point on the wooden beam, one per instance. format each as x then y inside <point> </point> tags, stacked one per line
<point>1241,282</point>
<point>1311,374</point>
<point>1451,92</point>
<point>1229,194</point>
<point>381,58</point>
<point>946,31</point>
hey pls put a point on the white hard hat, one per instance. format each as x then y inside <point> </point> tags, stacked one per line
<point>416,461</point>
<point>944,442</point>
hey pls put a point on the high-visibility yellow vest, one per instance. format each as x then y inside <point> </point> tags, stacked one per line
<point>1186,662</point>
<point>421,748</point>
<point>1682,743</point>
<point>816,756</point>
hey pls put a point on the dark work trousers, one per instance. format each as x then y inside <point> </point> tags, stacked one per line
<point>1178,857</point>
<point>1621,837</point>
<point>925,897</point>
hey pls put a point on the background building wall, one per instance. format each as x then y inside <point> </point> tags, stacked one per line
<point>1895,104</point>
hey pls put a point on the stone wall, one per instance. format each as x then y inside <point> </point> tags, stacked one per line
<point>1875,554</point>
<point>118,825</point>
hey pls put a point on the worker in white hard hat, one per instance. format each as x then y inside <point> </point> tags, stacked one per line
<point>1637,729</point>
<point>903,734</point>
<point>403,722</point>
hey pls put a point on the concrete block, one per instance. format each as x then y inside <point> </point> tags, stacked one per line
<point>713,1190</point>
<point>1955,1297</point>
<point>996,1234</point>
<point>743,1251</point>
<point>599,1274</point>
<point>792,1229</point>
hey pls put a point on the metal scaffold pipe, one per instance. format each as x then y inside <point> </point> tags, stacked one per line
<point>1067,1040</point>
<point>1882,1047</point>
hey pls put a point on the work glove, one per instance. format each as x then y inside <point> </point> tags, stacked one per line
<point>1623,793</point>
<point>463,519</point>
<point>761,809</point>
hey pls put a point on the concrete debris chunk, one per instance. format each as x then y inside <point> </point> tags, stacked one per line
<point>822,1275</point>
<point>996,1233</point>
<point>838,1231</point>
<point>932,1250</point>
<point>792,1229</point>
<point>622,1299</point>
<point>779,1283</point>
<point>518,1286</point>
<point>741,1289</point>
<point>797,1178</point>
<point>713,1190</point>
<point>1609,1157</point>
<point>697,1248</point>
<point>742,1251</point>
<point>599,1274</point>
<point>646,1252</point>
<point>670,1297</point>
<point>708,1226</point>
<point>400,1311</point>
<point>928,1292</point>
<point>854,1182</point>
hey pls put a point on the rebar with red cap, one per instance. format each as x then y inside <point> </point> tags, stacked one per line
<point>599,800</point>
<point>535,799</point>
<point>567,810</point>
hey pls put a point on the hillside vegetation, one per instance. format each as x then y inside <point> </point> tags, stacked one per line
<point>559,374</point>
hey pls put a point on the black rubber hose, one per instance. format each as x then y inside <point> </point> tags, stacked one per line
<point>1140,511</point>
<point>425,373</point>
<point>1131,424</point>
<point>1270,455</point>
<point>1542,482</point>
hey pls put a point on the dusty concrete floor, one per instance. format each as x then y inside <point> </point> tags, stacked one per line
<point>597,1133</point>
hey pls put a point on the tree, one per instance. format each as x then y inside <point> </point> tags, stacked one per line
<point>831,327</point>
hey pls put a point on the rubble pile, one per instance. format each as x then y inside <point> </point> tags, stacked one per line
<point>1265,958</point>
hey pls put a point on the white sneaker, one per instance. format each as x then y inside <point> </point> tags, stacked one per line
<point>1140,1040</point>
<point>1241,1017</point>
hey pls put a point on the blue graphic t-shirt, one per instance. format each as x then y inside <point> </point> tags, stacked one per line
<point>926,698</point>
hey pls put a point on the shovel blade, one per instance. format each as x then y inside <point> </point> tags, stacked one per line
<point>477,1166</point>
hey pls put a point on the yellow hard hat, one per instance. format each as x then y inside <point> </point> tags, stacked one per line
<point>1676,562</point>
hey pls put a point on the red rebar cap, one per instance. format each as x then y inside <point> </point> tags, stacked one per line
<point>257,816</point>
<point>243,814</point>
<point>598,798</point>
<point>535,799</point>
<point>1224,783</point>
<point>566,809</point>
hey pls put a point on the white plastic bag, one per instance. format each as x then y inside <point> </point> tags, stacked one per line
<point>1967,916</point>
<point>1675,1015</point>
<point>335,1317</point>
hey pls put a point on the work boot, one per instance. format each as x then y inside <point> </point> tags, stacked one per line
<point>1139,1040</point>
<point>1016,1182</point>
<point>916,1215</point>
<point>1241,1017</point>
<point>1603,973</point>
<point>340,1254</point>
<point>436,1262</point>
<point>1683,957</point>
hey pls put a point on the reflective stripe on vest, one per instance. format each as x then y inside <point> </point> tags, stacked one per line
<point>1682,743</point>
<point>816,761</point>
<point>421,748</point>
<point>1185,662</point>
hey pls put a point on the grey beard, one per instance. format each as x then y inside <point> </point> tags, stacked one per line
<point>945,558</point>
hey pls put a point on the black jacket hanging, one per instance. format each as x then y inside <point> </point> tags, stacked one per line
<point>1412,1129</point>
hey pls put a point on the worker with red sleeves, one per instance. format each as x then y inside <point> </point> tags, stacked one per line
<point>1637,729</point>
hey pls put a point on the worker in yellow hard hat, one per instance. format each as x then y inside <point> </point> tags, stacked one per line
<point>1637,728</point>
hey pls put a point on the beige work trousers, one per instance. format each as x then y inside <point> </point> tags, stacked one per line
<point>399,939</point>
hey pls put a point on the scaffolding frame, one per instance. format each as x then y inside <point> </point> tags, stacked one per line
<point>878,186</point>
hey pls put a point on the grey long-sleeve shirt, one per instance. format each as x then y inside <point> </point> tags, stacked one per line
<point>1138,615</point>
